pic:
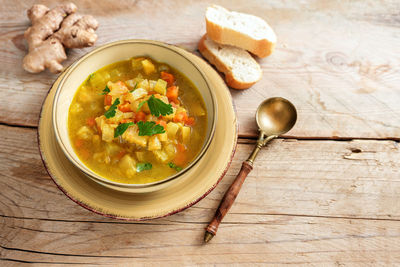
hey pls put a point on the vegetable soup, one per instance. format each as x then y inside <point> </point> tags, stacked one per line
<point>137,121</point>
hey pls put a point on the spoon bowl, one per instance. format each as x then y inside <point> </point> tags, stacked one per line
<point>276,116</point>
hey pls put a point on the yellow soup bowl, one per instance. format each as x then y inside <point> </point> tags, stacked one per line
<point>111,53</point>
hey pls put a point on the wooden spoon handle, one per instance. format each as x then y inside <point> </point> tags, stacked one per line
<point>228,199</point>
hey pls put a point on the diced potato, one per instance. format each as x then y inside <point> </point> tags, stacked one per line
<point>151,118</point>
<point>85,133</point>
<point>164,99</point>
<point>141,156</point>
<point>115,74</point>
<point>128,165</point>
<point>101,157</point>
<point>76,108</point>
<point>127,115</point>
<point>136,64</point>
<point>163,137</point>
<point>170,149</point>
<point>117,89</point>
<point>119,115</point>
<point>152,84</point>
<point>185,133</point>
<point>131,135</point>
<point>137,94</point>
<point>84,96</point>
<point>172,129</point>
<point>112,148</point>
<point>94,106</point>
<point>180,109</point>
<point>97,80</point>
<point>144,84</point>
<point>161,156</point>
<point>107,133</point>
<point>161,87</point>
<point>148,67</point>
<point>154,143</point>
<point>133,83</point>
<point>170,116</point>
<point>197,110</point>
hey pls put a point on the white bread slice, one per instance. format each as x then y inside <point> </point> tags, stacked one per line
<point>240,69</point>
<point>243,30</point>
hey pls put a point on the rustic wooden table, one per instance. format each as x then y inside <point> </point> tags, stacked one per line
<point>328,193</point>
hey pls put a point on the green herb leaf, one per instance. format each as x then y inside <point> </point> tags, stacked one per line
<point>173,166</point>
<point>106,90</point>
<point>91,76</point>
<point>141,104</point>
<point>149,128</point>
<point>134,88</point>
<point>143,166</point>
<point>158,107</point>
<point>111,111</point>
<point>122,128</point>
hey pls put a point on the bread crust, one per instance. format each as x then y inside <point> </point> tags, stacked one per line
<point>229,78</point>
<point>261,48</point>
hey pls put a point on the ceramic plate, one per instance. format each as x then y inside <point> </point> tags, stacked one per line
<point>190,188</point>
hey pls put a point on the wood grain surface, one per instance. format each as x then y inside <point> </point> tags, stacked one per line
<point>327,194</point>
<point>337,61</point>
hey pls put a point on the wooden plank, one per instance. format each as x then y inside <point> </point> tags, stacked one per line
<point>306,202</point>
<point>337,61</point>
<point>357,179</point>
<point>260,239</point>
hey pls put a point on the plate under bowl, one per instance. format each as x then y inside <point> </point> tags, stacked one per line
<point>193,186</point>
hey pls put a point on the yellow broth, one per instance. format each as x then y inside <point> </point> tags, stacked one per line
<point>109,158</point>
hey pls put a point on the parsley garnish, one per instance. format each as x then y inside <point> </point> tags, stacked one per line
<point>141,104</point>
<point>149,128</point>
<point>111,111</point>
<point>143,166</point>
<point>91,76</point>
<point>122,128</point>
<point>173,166</point>
<point>106,90</point>
<point>133,88</point>
<point>158,107</point>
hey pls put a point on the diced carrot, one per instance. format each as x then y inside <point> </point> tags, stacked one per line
<point>121,154</point>
<point>107,100</point>
<point>125,107</point>
<point>172,93</point>
<point>127,120</point>
<point>180,117</point>
<point>168,77</point>
<point>180,147</point>
<point>173,104</point>
<point>180,157</point>
<point>162,123</point>
<point>140,116</point>
<point>190,121</point>
<point>90,121</point>
<point>152,93</point>
<point>78,143</point>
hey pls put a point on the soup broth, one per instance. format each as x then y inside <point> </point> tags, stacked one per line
<point>137,121</point>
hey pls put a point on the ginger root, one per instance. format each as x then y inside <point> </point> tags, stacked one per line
<point>54,30</point>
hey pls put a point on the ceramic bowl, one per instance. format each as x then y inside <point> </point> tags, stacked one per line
<point>114,52</point>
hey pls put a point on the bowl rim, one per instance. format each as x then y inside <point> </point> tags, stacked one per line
<point>92,174</point>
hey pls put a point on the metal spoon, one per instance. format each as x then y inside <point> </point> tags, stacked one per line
<point>275,116</point>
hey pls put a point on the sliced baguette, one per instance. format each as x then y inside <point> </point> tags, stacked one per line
<point>242,30</point>
<point>240,69</point>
